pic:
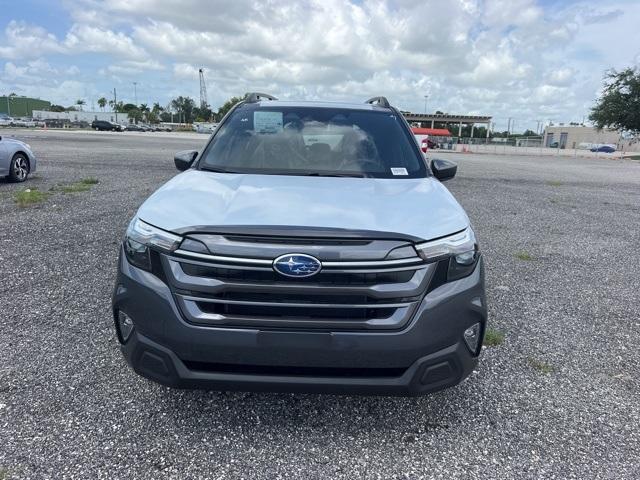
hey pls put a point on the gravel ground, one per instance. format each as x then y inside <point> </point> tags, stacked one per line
<point>557,399</point>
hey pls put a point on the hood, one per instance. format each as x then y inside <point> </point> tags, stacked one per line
<point>15,141</point>
<point>421,208</point>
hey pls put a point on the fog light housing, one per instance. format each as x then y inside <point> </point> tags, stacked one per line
<point>472,338</point>
<point>125,326</point>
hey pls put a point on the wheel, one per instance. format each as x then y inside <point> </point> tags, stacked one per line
<point>19,168</point>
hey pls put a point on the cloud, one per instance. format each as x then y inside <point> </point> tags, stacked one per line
<point>84,38</point>
<point>29,41</point>
<point>506,58</point>
<point>23,40</point>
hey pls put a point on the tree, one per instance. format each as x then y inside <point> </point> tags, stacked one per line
<point>619,105</point>
<point>228,105</point>
<point>80,103</point>
<point>102,102</point>
<point>116,107</point>
<point>57,108</point>
<point>203,114</point>
<point>184,107</point>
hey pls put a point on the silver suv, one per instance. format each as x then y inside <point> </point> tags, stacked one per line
<point>308,247</point>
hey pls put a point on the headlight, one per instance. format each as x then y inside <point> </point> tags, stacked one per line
<point>459,249</point>
<point>141,237</point>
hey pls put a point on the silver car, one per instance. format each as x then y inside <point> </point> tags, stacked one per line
<point>17,160</point>
<point>308,247</point>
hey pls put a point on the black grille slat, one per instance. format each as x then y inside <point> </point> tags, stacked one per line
<point>322,278</point>
<point>299,313</point>
<point>294,370</point>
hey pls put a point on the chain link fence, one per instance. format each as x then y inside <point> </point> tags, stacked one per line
<point>511,146</point>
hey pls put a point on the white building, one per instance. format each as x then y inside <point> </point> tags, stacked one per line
<point>78,116</point>
<point>579,136</point>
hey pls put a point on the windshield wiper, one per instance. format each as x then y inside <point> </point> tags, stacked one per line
<point>335,174</point>
<point>217,170</point>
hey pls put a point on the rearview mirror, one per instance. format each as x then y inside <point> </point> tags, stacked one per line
<point>184,159</point>
<point>443,169</point>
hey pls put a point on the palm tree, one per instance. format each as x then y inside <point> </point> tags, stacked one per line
<point>80,103</point>
<point>102,102</point>
<point>144,109</point>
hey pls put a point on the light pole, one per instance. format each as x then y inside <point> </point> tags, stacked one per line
<point>135,93</point>
<point>425,103</point>
<point>115,104</point>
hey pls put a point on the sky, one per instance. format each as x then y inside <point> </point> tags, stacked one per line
<point>529,60</point>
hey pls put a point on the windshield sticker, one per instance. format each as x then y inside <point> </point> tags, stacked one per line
<point>399,171</point>
<point>267,122</point>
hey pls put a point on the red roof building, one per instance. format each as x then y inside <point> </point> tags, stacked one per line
<point>432,132</point>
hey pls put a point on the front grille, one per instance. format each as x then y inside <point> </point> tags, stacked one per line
<point>362,293</point>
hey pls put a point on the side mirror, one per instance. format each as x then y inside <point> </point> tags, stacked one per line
<point>184,159</point>
<point>443,169</point>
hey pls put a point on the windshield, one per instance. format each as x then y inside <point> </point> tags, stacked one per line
<point>319,141</point>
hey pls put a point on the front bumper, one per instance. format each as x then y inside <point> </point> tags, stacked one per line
<point>429,354</point>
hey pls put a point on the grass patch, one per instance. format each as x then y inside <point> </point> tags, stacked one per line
<point>525,256</point>
<point>75,187</point>
<point>632,157</point>
<point>4,473</point>
<point>542,367</point>
<point>83,185</point>
<point>493,337</point>
<point>29,196</point>
<point>554,183</point>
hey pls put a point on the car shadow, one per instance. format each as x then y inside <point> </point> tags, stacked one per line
<point>341,414</point>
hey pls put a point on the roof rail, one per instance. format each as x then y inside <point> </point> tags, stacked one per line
<point>382,101</point>
<point>255,97</point>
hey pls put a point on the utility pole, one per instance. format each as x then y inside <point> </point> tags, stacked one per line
<point>115,103</point>
<point>135,93</point>
<point>425,103</point>
<point>8,106</point>
<point>508,127</point>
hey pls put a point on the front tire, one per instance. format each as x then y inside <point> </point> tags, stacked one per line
<point>19,170</point>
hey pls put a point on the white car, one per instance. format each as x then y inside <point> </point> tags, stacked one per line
<point>6,120</point>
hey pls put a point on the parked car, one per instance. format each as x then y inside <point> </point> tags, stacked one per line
<point>307,247</point>
<point>427,144</point>
<point>207,128</point>
<point>6,120</point>
<point>104,125</point>
<point>22,122</point>
<point>132,127</point>
<point>604,148</point>
<point>17,160</point>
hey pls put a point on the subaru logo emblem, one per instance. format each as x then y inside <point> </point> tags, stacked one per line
<point>297,265</point>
